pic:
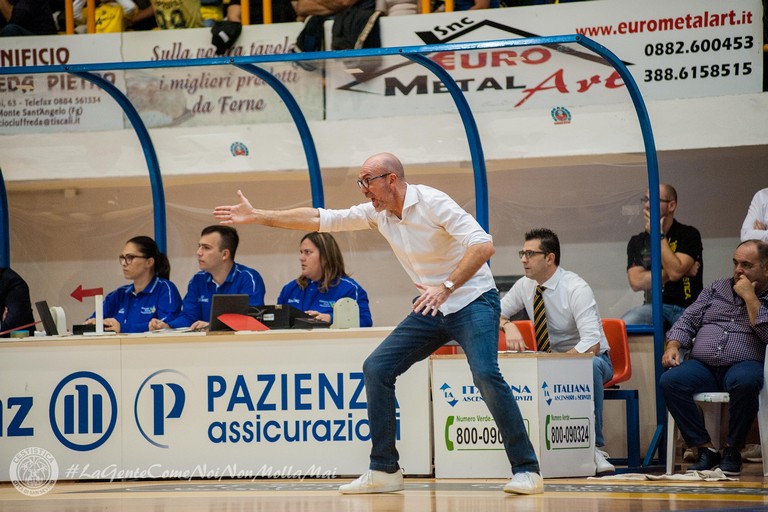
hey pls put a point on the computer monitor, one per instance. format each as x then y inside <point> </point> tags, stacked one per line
<point>49,324</point>
<point>221,304</point>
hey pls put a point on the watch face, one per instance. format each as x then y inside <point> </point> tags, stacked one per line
<point>449,285</point>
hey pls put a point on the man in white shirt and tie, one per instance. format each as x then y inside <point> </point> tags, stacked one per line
<point>572,322</point>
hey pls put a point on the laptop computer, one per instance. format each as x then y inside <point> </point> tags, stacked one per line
<point>221,304</point>
<point>49,324</point>
<point>284,316</point>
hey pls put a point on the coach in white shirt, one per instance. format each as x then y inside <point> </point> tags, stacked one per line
<point>444,251</point>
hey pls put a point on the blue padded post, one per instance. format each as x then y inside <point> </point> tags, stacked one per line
<point>5,226</point>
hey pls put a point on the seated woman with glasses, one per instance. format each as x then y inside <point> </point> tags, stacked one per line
<point>323,281</point>
<point>150,295</point>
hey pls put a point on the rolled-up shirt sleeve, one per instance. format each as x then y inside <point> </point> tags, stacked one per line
<point>587,318</point>
<point>464,228</point>
<point>356,218</point>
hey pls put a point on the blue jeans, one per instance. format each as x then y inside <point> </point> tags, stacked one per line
<point>743,382</point>
<point>602,372</point>
<point>14,30</point>
<point>643,315</point>
<point>476,329</point>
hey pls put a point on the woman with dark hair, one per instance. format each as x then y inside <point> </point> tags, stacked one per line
<point>151,295</point>
<point>323,281</point>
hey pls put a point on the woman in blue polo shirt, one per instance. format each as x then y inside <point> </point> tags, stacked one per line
<point>150,295</point>
<point>323,281</point>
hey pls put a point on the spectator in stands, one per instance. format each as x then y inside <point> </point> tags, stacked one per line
<point>755,226</point>
<point>522,3</point>
<point>219,274</point>
<point>128,6</point>
<point>151,295</point>
<point>765,45</point>
<point>323,280</point>
<point>282,11</point>
<point>681,262</point>
<point>211,11</point>
<point>173,14</point>
<point>466,5</point>
<point>726,330</point>
<point>136,15</point>
<point>305,8</point>
<point>399,7</point>
<point>15,305</point>
<point>444,250</point>
<point>111,15</point>
<point>26,18</point>
<point>571,320</point>
<point>144,19</point>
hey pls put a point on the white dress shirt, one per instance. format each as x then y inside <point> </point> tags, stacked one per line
<point>573,319</point>
<point>430,239</point>
<point>758,210</point>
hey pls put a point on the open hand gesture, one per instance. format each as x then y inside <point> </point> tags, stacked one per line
<point>235,214</point>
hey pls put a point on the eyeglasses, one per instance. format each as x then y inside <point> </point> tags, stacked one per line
<point>127,259</point>
<point>366,182</point>
<point>646,199</point>
<point>529,254</point>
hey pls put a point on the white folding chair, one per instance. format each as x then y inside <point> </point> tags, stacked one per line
<point>712,405</point>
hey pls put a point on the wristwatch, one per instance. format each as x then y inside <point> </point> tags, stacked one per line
<point>449,286</point>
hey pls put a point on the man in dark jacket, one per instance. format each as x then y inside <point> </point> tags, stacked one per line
<point>25,18</point>
<point>15,306</point>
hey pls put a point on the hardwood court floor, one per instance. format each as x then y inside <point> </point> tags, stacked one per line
<point>749,494</point>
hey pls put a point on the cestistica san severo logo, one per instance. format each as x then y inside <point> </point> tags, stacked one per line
<point>34,471</point>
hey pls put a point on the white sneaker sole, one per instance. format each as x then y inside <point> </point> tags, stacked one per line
<point>372,490</point>
<point>524,492</point>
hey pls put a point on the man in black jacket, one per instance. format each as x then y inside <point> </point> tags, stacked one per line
<point>15,305</point>
<point>25,18</point>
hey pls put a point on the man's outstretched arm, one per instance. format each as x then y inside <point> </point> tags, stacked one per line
<point>307,219</point>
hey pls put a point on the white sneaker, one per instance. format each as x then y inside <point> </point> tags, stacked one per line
<point>525,483</point>
<point>601,463</point>
<point>373,481</point>
<point>752,453</point>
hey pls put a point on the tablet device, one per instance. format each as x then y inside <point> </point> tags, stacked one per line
<point>222,304</point>
<point>49,324</point>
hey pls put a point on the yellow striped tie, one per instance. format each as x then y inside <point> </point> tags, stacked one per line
<point>540,321</point>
